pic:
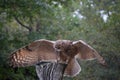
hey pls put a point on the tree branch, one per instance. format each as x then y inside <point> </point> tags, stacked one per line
<point>37,25</point>
<point>18,21</point>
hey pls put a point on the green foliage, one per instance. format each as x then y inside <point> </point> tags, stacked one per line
<point>23,21</point>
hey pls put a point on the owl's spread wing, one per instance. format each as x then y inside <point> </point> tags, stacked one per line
<point>40,50</point>
<point>73,68</point>
<point>86,52</point>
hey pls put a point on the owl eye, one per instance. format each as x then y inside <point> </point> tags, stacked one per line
<point>57,47</point>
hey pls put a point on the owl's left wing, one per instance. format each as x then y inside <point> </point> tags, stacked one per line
<point>35,52</point>
<point>86,52</point>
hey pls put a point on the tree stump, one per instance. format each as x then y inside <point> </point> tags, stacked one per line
<point>50,71</point>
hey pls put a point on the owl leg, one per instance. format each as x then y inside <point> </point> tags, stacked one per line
<point>58,56</point>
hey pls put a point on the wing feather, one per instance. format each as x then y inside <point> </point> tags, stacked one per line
<point>86,52</point>
<point>37,51</point>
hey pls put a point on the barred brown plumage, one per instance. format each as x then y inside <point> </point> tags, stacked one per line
<point>61,51</point>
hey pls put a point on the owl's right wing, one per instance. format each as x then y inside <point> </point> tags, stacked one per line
<point>35,52</point>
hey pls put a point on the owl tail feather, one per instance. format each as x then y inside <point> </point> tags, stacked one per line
<point>73,68</point>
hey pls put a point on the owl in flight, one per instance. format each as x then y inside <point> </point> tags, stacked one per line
<point>62,51</point>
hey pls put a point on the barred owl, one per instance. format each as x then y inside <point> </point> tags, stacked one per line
<point>62,51</point>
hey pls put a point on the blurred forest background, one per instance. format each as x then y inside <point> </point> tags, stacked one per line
<point>97,22</point>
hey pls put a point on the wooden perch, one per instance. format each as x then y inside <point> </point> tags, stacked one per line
<point>50,71</point>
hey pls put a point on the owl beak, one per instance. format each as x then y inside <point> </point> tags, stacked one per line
<point>58,50</point>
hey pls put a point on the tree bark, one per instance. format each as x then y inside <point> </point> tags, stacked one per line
<point>50,71</point>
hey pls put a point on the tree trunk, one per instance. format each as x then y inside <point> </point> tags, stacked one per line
<point>50,71</point>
